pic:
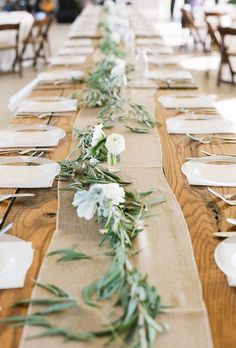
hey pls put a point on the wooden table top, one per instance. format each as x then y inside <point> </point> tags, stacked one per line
<point>35,221</point>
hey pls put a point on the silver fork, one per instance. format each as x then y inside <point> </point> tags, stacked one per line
<point>3,197</point>
<point>25,151</point>
<point>227,198</point>
<point>211,139</point>
<point>6,228</point>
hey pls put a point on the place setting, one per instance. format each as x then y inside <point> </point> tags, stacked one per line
<point>172,79</point>
<point>78,43</point>
<point>46,106</point>
<point>59,78</point>
<point>74,51</point>
<point>67,60</point>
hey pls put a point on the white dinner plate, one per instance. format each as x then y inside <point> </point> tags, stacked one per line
<point>180,125</point>
<point>186,100</point>
<point>15,269</point>
<point>78,42</point>
<point>75,50</point>
<point>31,135</point>
<point>225,257</point>
<point>169,74</point>
<point>47,104</point>
<point>60,75</point>
<point>14,175</point>
<point>7,262</point>
<point>207,172</point>
<point>72,60</point>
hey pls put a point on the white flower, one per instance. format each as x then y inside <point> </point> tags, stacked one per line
<point>112,192</point>
<point>119,68</point>
<point>98,135</point>
<point>115,144</point>
<point>115,37</point>
<point>98,198</point>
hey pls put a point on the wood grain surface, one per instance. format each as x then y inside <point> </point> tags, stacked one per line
<point>35,220</point>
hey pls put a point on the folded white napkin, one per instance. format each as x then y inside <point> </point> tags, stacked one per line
<point>60,75</point>
<point>225,258</point>
<point>22,94</point>
<point>159,50</point>
<point>75,51</point>
<point>181,125</point>
<point>149,41</point>
<point>25,176</point>
<point>163,60</point>
<point>71,60</point>
<point>78,42</point>
<point>30,136</point>
<point>52,104</point>
<point>16,257</point>
<point>169,74</point>
<point>185,100</point>
<point>80,33</point>
<point>201,172</point>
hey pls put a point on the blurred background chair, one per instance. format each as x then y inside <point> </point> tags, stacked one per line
<point>228,54</point>
<point>38,40</point>
<point>12,46</point>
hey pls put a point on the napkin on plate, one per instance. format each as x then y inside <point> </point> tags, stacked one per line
<point>78,42</point>
<point>53,105</point>
<point>173,101</point>
<point>206,171</point>
<point>163,60</point>
<point>72,60</point>
<point>169,74</point>
<point>75,51</point>
<point>54,75</point>
<point>182,125</point>
<point>16,257</point>
<point>22,94</point>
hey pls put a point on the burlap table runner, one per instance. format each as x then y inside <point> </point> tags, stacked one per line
<point>166,255</point>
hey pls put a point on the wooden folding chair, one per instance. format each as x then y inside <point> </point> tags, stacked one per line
<point>188,21</point>
<point>213,41</point>
<point>38,39</point>
<point>13,46</point>
<point>227,54</point>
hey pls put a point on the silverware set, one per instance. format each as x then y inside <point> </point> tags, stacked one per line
<point>41,115</point>
<point>212,139</point>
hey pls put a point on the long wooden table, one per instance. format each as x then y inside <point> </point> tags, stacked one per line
<point>35,220</point>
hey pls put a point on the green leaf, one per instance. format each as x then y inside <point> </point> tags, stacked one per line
<point>69,255</point>
<point>53,289</point>
<point>57,308</point>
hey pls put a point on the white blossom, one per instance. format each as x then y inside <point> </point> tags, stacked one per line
<point>115,144</point>
<point>98,135</point>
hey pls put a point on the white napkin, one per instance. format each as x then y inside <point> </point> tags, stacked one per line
<point>79,33</point>
<point>72,60</point>
<point>30,135</point>
<point>163,60</point>
<point>53,105</point>
<point>169,74</point>
<point>25,176</point>
<point>181,125</point>
<point>16,257</point>
<point>78,42</point>
<point>160,50</point>
<point>22,94</point>
<point>173,101</point>
<point>201,172</point>
<point>149,41</point>
<point>225,255</point>
<point>75,51</point>
<point>60,75</point>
